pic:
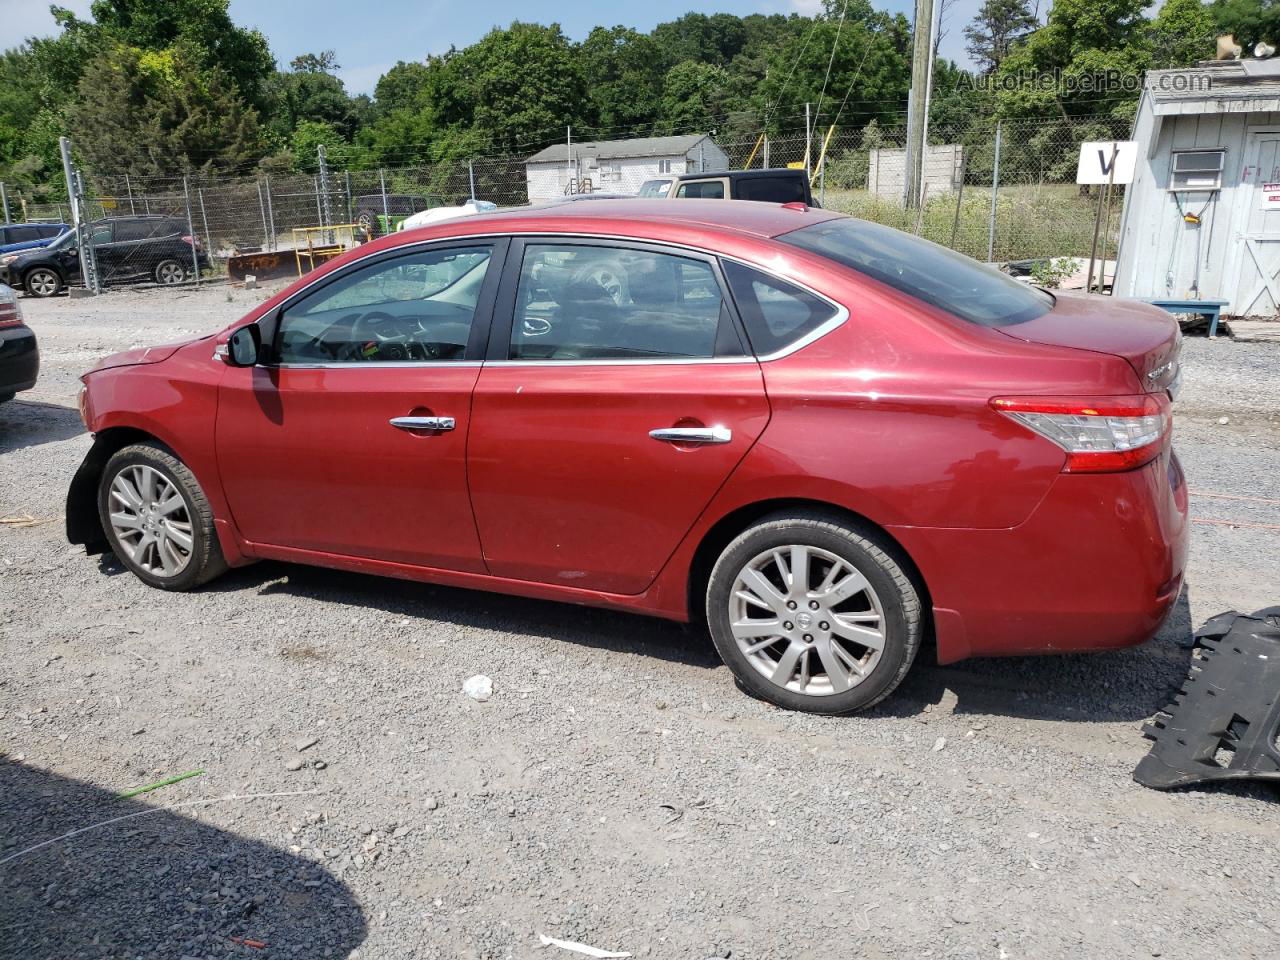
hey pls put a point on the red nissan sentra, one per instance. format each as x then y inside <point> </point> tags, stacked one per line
<point>826,438</point>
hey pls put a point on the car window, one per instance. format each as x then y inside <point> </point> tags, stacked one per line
<point>948,280</point>
<point>101,233</point>
<point>654,188</point>
<point>702,189</point>
<point>776,313</point>
<point>23,234</point>
<point>134,229</point>
<point>593,302</point>
<point>51,230</point>
<point>772,189</point>
<point>415,308</point>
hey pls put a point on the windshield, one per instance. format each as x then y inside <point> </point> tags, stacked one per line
<point>64,240</point>
<point>948,280</point>
<point>654,188</point>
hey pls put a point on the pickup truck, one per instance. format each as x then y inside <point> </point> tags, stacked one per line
<point>772,186</point>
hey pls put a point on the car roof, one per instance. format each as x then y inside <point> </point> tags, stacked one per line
<point>741,174</point>
<point>644,215</point>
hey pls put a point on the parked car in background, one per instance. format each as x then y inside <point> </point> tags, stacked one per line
<point>658,187</point>
<point>19,353</point>
<point>28,236</point>
<point>825,438</point>
<point>771,186</point>
<point>158,248</point>
<point>379,214</point>
<point>437,214</point>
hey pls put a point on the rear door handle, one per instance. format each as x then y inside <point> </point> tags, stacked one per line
<point>692,434</point>
<point>423,423</point>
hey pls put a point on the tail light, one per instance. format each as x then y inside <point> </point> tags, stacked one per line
<point>1099,434</point>
<point>192,241</point>
<point>10,312</point>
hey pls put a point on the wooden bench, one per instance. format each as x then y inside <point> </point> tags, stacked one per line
<point>1210,308</point>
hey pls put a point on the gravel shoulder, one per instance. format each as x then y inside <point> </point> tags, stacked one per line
<point>617,789</point>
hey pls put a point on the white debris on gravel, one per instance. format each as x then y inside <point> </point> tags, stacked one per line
<point>552,810</point>
<point>478,687</point>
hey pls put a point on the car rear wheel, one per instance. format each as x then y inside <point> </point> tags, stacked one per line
<point>812,614</point>
<point>366,220</point>
<point>157,518</point>
<point>42,282</point>
<point>168,272</point>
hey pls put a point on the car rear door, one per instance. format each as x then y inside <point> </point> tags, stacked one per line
<point>618,395</point>
<point>352,439</point>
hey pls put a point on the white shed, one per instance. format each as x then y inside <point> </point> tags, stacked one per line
<point>1201,219</point>
<point>617,166</point>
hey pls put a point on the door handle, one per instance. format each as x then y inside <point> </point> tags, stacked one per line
<point>423,423</point>
<point>692,434</point>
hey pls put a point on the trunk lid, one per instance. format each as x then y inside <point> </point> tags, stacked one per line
<point>1146,336</point>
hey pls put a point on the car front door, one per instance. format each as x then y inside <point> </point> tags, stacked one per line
<point>617,398</point>
<point>351,439</point>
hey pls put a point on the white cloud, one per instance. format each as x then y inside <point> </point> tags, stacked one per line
<point>807,8</point>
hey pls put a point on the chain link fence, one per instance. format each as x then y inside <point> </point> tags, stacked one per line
<point>995,190</point>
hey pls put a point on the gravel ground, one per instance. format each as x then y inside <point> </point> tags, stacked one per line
<point>617,789</point>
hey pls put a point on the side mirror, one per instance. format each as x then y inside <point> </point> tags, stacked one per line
<point>243,346</point>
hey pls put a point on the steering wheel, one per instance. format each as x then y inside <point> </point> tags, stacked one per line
<point>390,342</point>
<point>611,277</point>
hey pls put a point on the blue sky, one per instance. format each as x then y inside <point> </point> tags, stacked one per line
<point>370,36</point>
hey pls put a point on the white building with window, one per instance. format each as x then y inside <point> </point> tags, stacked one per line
<point>617,166</point>
<point>1201,219</point>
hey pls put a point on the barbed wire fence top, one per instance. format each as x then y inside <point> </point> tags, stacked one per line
<point>1039,211</point>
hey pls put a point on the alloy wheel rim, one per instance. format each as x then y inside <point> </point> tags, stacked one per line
<point>44,283</point>
<point>170,273</point>
<point>150,520</point>
<point>807,620</point>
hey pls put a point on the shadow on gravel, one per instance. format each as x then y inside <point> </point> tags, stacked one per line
<point>1117,686</point>
<point>160,885</point>
<point>588,626</point>
<point>25,424</point>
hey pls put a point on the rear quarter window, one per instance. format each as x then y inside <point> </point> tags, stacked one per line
<point>777,314</point>
<point>771,189</point>
<point>943,278</point>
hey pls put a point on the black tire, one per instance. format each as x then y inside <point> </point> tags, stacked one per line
<point>42,282</point>
<point>168,272</point>
<point>204,560</point>
<point>830,537</point>
<point>367,221</point>
<point>6,397</point>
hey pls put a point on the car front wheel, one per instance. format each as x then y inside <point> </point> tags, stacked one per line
<point>157,518</point>
<point>813,614</point>
<point>42,282</point>
<point>169,272</point>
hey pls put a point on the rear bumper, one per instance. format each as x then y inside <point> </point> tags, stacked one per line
<point>1097,566</point>
<point>19,359</point>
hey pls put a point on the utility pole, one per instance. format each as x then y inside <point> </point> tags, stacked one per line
<point>568,152</point>
<point>4,201</point>
<point>326,215</point>
<point>471,177</point>
<point>84,243</point>
<point>808,137</point>
<point>918,105</point>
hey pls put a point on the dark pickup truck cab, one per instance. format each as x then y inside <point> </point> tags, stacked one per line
<point>771,186</point>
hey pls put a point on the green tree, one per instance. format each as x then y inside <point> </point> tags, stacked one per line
<point>518,87</point>
<point>1248,20</point>
<point>692,94</point>
<point>1084,46</point>
<point>623,71</point>
<point>1182,33</point>
<point>998,25</point>
<point>309,92</point>
<point>149,114</point>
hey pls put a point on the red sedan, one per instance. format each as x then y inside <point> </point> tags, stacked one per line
<point>828,440</point>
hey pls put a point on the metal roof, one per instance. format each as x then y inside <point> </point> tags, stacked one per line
<point>616,149</point>
<point>1216,86</point>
